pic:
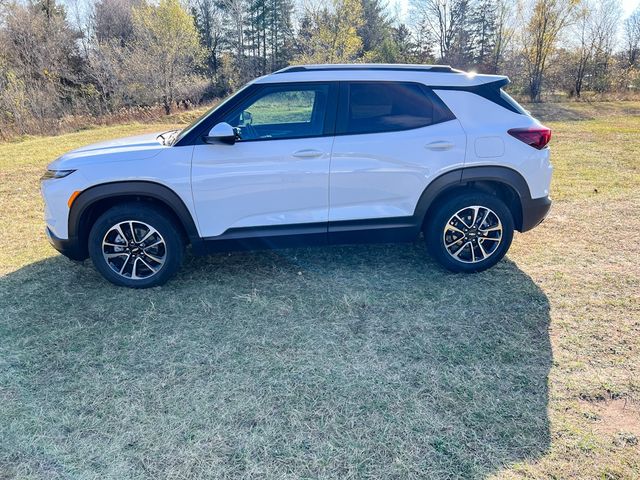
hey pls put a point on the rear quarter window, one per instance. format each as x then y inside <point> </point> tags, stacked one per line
<point>515,106</point>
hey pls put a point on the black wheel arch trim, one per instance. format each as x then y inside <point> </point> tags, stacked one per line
<point>504,175</point>
<point>532,212</point>
<point>139,188</point>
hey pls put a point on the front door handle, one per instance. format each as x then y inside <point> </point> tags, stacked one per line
<point>439,146</point>
<point>308,153</point>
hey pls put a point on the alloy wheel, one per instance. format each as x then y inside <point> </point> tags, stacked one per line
<point>134,249</point>
<point>472,234</point>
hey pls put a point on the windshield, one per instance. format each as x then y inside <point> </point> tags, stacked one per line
<point>202,117</point>
<point>193,125</point>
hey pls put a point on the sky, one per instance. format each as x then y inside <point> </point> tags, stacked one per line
<point>402,6</point>
<point>629,6</point>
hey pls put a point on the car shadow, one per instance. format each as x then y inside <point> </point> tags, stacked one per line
<point>342,362</point>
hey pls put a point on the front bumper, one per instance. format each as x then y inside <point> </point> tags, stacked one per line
<point>534,211</point>
<point>69,248</point>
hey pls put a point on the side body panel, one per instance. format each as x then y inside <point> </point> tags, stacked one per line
<point>486,125</point>
<point>382,175</point>
<point>166,166</point>
<point>262,183</point>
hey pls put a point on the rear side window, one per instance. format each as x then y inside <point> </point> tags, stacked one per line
<point>370,107</point>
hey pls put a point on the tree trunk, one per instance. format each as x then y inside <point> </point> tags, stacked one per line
<point>166,102</point>
<point>578,88</point>
<point>535,88</point>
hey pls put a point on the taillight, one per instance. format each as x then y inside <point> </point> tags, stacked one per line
<point>537,137</point>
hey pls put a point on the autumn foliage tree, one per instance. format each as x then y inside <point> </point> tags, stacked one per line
<point>40,66</point>
<point>165,50</point>
<point>332,35</point>
<point>68,60</point>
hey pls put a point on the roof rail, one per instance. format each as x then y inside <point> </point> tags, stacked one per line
<point>370,66</point>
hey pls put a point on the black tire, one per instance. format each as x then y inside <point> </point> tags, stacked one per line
<point>170,250</point>
<point>435,234</point>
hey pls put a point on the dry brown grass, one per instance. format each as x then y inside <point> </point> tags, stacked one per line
<point>77,123</point>
<point>350,362</point>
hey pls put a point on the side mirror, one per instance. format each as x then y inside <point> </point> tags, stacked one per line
<point>246,117</point>
<point>222,132</point>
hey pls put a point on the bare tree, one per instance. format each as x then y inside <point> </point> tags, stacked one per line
<point>605,28</point>
<point>584,48</point>
<point>540,34</point>
<point>113,20</point>
<point>97,56</point>
<point>445,20</point>
<point>504,33</point>
<point>41,72</point>
<point>594,33</point>
<point>632,38</point>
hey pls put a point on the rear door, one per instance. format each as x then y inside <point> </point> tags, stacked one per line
<point>392,140</point>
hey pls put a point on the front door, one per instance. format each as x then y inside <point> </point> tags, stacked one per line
<point>277,173</point>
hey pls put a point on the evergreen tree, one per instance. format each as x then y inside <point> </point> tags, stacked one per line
<point>482,25</point>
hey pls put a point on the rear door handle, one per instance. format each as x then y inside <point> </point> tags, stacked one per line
<point>308,153</point>
<point>439,146</point>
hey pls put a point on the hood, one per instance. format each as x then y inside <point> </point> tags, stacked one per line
<point>121,149</point>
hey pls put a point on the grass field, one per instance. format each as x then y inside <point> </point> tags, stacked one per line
<point>344,362</point>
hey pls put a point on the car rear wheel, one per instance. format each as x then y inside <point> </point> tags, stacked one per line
<point>135,246</point>
<point>470,232</point>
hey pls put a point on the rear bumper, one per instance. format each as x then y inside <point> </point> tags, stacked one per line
<point>534,211</point>
<point>69,248</point>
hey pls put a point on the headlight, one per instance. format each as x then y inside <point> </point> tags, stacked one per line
<point>56,174</point>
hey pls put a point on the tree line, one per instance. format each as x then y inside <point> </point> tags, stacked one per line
<point>98,58</point>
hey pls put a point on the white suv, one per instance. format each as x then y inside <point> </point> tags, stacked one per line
<point>316,154</point>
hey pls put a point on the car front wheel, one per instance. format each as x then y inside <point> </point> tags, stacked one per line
<point>135,246</point>
<point>470,232</point>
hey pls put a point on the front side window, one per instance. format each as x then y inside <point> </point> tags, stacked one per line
<point>387,106</point>
<point>281,112</point>
<point>202,118</point>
